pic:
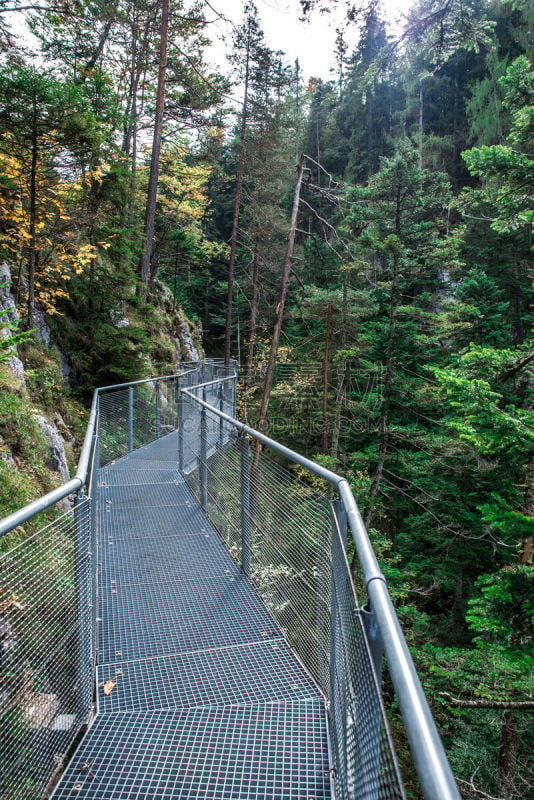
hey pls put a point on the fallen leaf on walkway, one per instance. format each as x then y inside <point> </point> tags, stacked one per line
<point>108,687</point>
<point>13,601</point>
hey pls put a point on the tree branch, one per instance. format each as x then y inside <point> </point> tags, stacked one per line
<point>524,705</point>
<point>515,368</point>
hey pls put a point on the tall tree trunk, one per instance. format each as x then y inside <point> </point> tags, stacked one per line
<point>253,321</point>
<point>139,51</point>
<point>145,273</point>
<point>383,434</point>
<point>99,49</point>
<point>372,161</point>
<point>318,148</point>
<point>421,123</point>
<point>341,371</point>
<point>129,117</point>
<point>507,758</point>
<point>32,255</point>
<point>496,104</point>
<point>526,552</point>
<point>255,472</point>
<point>275,341</point>
<point>237,207</point>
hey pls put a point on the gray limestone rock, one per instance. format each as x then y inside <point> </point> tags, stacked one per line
<point>7,301</point>
<point>9,313</point>
<point>186,347</point>
<point>42,330</point>
<point>17,368</point>
<point>7,457</point>
<point>57,458</point>
<point>65,367</point>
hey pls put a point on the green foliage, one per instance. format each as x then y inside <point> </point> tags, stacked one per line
<point>502,613</point>
<point>506,170</point>
<point>49,390</point>
<point>23,448</point>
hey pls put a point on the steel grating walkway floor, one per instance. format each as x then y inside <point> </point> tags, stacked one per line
<point>209,701</point>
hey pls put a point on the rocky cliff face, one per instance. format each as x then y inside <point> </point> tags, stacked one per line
<point>34,437</point>
<point>8,316</point>
<point>57,457</point>
<point>185,346</point>
<point>41,424</point>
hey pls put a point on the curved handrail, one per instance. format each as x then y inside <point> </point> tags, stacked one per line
<point>433,769</point>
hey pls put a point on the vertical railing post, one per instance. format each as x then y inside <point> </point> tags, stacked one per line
<point>203,466</point>
<point>221,421</point>
<point>81,582</point>
<point>372,744</point>
<point>341,517</point>
<point>158,409</point>
<point>337,672</point>
<point>245,506</point>
<point>233,384</point>
<point>180,425</point>
<point>374,640</point>
<point>130,418</point>
<point>338,692</point>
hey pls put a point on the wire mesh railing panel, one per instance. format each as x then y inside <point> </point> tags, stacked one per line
<point>137,415</point>
<point>114,424</point>
<point>144,415</point>
<point>364,757</point>
<point>290,536</point>
<point>224,497</point>
<point>284,534</point>
<point>289,528</point>
<point>46,657</point>
<point>168,406</point>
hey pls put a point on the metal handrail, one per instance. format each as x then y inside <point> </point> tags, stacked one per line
<point>434,772</point>
<point>433,769</point>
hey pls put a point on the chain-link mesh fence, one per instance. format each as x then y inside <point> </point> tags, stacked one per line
<point>281,529</point>
<point>46,653</point>
<point>363,752</point>
<point>133,416</point>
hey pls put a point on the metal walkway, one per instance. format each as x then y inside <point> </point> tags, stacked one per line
<point>198,693</point>
<point>199,696</point>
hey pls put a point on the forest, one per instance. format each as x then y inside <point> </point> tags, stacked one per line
<point>361,245</point>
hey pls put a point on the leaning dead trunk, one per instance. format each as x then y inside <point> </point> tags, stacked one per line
<point>275,341</point>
